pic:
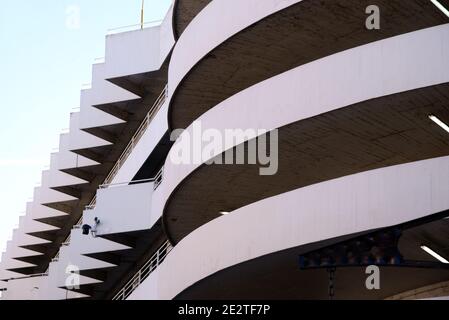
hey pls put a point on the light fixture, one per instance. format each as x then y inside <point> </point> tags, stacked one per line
<point>441,7</point>
<point>224,213</point>
<point>434,254</point>
<point>439,122</point>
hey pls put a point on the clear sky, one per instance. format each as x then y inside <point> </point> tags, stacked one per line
<point>46,55</point>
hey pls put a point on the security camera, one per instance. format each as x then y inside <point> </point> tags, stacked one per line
<point>93,230</point>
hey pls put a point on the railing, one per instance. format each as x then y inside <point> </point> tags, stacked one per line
<point>28,276</point>
<point>123,157</point>
<point>99,60</point>
<point>56,257</point>
<point>86,86</point>
<point>118,184</point>
<point>67,240</point>
<point>158,178</point>
<point>144,272</point>
<point>134,27</point>
<point>132,144</point>
<point>79,223</point>
<point>92,203</point>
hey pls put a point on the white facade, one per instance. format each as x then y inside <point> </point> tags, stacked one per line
<point>160,233</point>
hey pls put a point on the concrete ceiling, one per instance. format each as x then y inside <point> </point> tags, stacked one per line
<point>306,31</point>
<point>278,276</point>
<point>183,13</point>
<point>386,131</point>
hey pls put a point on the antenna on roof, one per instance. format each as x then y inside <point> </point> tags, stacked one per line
<point>142,14</point>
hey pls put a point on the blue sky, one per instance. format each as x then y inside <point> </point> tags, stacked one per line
<point>45,57</point>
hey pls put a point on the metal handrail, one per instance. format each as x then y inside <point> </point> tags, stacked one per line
<point>134,27</point>
<point>134,140</point>
<point>67,240</point>
<point>105,186</point>
<point>79,223</point>
<point>99,60</point>
<point>144,272</point>
<point>92,203</point>
<point>28,276</point>
<point>158,178</point>
<point>56,257</point>
<point>125,154</point>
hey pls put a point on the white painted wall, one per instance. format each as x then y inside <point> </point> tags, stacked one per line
<point>85,244</point>
<point>406,62</point>
<point>49,289</point>
<point>19,238</point>
<point>139,51</point>
<point>149,289</point>
<point>360,202</point>
<point>48,195</point>
<point>217,22</point>
<point>23,289</point>
<point>79,139</point>
<point>9,263</point>
<point>17,252</point>
<point>70,258</point>
<point>3,285</point>
<point>123,209</point>
<point>167,40</point>
<point>132,52</point>
<point>27,225</point>
<point>41,211</point>
<point>68,159</point>
<point>91,117</point>
<point>5,274</point>
<point>26,239</point>
<point>127,53</point>
<point>58,178</point>
<point>144,147</point>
